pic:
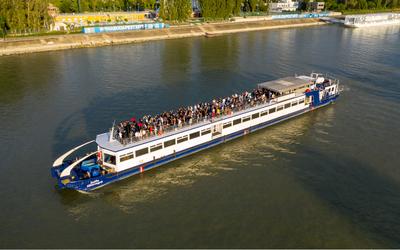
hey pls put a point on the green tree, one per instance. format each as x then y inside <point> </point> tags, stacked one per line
<point>253,4</point>
<point>220,9</point>
<point>3,27</point>
<point>175,10</point>
<point>24,16</point>
<point>263,5</point>
<point>68,6</point>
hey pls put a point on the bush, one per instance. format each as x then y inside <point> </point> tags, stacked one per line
<point>371,5</point>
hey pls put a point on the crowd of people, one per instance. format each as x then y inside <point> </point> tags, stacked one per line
<point>137,129</point>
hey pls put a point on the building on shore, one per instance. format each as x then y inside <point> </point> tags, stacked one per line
<point>71,20</point>
<point>284,6</point>
<point>315,6</point>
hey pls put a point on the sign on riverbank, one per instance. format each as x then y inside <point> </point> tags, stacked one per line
<point>114,28</point>
<point>305,15</point>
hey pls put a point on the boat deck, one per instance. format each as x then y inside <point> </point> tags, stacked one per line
<point>103,139</point>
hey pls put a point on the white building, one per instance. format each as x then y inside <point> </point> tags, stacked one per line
<point>284,5</point>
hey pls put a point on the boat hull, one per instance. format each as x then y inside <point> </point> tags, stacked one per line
<point>373,24</point>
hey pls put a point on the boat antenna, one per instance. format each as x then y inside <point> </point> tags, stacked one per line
<point>111,138</point>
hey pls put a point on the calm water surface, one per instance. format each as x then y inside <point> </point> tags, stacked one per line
<point>330,178</point>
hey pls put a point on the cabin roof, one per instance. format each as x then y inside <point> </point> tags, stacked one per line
<point>286,84</point>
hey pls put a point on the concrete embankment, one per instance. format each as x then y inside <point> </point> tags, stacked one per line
<point>60,42</point>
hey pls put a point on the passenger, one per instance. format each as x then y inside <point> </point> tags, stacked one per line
<point>151,126</point>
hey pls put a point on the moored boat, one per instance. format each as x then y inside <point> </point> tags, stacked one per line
<point>368,20</point>
<point>137,145</point>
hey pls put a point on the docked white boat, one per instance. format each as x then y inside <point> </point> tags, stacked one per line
<point>368,20</point>
<point>133,147</point>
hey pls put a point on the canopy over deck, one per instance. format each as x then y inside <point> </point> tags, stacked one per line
<point>286,84</point>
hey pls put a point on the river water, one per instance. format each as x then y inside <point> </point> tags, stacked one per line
<point>330,178</point>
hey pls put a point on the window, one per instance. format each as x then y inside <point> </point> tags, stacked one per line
<point>245,119</point>
<point>110,159</point>
<point>182,139</point>
<point>272,110</point>
<point>169,143</point>
<point>264,113</point>
<point>156,147</point>
<point>256,115</point>
<point>301,101</point>
<point>194,135</point>
<point>294,103</point>
<point>237,121</point>
<point>126,157</point>
<point>227,125</point>
<point>142,151</point>
<point>280,107</point>
<point>287,105</point>
<point>206,131</point>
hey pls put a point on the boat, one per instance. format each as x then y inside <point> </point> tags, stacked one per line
<point>368,20</point>
<point>120,155</point>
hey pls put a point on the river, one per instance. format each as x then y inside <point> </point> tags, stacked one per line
<point>329,178</point>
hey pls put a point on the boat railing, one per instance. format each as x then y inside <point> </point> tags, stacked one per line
<point>168,129</point>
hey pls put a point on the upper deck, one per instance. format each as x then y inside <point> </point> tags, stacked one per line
<point>103,140</point>
<point>278,90</point>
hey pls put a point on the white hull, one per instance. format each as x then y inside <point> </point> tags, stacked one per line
<point>372,20</point>
<point>373,24</point>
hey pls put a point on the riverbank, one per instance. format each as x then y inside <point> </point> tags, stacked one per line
<point>61,42</point>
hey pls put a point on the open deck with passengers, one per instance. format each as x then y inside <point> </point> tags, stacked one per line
<point>138,144</point>
<point>147,128</point>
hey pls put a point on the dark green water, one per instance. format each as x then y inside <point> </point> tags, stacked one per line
<point>330,178</point>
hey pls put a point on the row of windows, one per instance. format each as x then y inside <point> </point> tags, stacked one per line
<point>168,143</point>
<point>263,113</point>
<point>194,135</point>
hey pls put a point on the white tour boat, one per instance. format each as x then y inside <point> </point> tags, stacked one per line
<point>368,20</point>
<point>122,152</point>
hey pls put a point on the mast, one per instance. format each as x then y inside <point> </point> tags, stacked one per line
<point>111,138</point>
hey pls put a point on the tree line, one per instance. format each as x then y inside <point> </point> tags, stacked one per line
<point>223,9</point>
<point>29,16</point>
<point>77,6</point>
<point>344,5</point>
<point>24,16</point>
